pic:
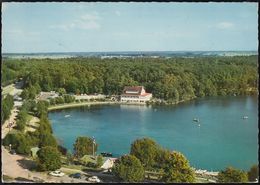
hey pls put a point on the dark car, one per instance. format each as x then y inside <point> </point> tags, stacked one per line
<point>76,175</point>
<point>12,152</point>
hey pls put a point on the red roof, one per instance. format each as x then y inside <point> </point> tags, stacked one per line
<point>136,89</point>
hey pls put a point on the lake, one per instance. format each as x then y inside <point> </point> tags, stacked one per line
<point>223,138</point>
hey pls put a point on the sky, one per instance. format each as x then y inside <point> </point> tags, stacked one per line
<point>100,26</point>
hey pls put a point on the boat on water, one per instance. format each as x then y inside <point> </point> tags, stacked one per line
<point>196,119</point>
<point>106,154</point>
<point>245,117</point>
<point>67,116</point>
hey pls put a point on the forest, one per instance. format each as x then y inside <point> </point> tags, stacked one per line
<point>171,79</point>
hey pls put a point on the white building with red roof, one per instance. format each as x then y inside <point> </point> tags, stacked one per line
<point>135,94</point>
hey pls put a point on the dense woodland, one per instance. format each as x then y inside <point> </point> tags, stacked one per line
<point>171,79</point>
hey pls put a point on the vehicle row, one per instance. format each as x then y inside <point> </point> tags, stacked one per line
<point>58,173</point>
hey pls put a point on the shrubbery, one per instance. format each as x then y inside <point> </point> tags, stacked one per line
<point>49,158</point>
<point>7,105</point>
<point>129,169</point>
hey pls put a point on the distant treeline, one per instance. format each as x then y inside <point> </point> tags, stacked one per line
<point>172,79</point>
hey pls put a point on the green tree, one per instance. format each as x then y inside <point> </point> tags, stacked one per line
<point>45,125</point>
<point>49,158</point>
<point>145,150</point>
<point>162,158</point>
<point>84,146</point>
<point>23,145</point>
<point>69,158</point>
<point>47,139</point>
<point>61,91</point>
<point>41,109</point>
<point>7,105</point>
<point>231,174</point>
<point>99,161</point>
<point>11,138</point>
<point>20,125</point>
<point>178,169</point>
<point>129,169</point>
<point>18,142</point>
<point>253,173</point>
<point>25,94</point>
<point>68,98</point>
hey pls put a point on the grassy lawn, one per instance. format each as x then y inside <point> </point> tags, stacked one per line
<point>74,167</point>
<point>88,158</point>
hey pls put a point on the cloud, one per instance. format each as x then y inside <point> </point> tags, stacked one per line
<point>118,13</point>
<point>19,32</point>
<point>85,22</point>
<point>224,25</point>
<point>90,17</point>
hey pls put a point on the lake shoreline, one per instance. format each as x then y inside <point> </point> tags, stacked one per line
<point>79,104</point>
<point>72,105</point>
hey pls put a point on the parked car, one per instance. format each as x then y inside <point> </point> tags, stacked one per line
<point>76,175</point>
<point>94,179</point>
<point>57,173</point>
<point>12,152</point>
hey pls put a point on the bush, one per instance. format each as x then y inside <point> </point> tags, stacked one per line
<point>7,105</point>
<point>129,169</point>
<point>11,139</point>
<point>49,158</point>
<point>145,150</point>
<point>23,145</point>
<point>231,175</point>
<point>62,150</point>
<point>253,173</point>
<point>47,139</point>
<point>99,161</point>
<point>84,146</point>
<point>177,169</point>
<point>19,142</point>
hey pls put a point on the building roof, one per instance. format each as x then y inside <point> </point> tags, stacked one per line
<point>135,90</point>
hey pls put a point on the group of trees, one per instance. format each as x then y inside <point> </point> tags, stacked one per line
<point>7,105</point>
<point>146,154</point>
<point>31,91</point>
<point>84,146</point>
<point>49,155</point>
<point>171,79</point>
<point>62,99</point>
<point>232,175</point>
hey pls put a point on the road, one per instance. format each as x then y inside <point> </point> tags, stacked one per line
<point>10,121</point>
<point>17,166</point>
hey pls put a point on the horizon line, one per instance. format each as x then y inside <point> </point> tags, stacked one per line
<point>55,52</point>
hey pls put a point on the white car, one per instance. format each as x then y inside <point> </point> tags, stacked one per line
<point>57,173</point>
<point>94,179</point>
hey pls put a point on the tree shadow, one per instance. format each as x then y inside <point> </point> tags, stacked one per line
<point>23,179</point>
<point>27,164</point>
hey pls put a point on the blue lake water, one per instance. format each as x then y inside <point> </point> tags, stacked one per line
<point>222,139</point>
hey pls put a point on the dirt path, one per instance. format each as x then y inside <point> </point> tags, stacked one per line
<point>5,127</point>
